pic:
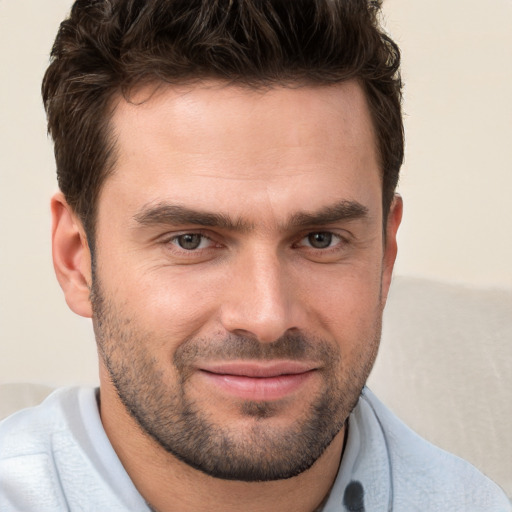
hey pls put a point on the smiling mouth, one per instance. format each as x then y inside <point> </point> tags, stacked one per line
<point>257,381</point>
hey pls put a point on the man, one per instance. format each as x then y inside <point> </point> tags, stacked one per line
<point>227,218</point>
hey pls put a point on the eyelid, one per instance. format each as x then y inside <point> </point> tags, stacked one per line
<point>171,238</point>
<point>334,242</point>
<point>341,237</point>
<point>297,241</point>
<point>175,240</point>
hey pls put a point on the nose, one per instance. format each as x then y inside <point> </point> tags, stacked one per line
<point>261,300</point>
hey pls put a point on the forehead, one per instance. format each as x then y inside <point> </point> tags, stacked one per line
<point>213,142</point>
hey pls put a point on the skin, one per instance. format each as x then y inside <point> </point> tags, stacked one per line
<point>277,163</point>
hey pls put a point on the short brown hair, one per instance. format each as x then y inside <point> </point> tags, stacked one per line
<point>106,47</point>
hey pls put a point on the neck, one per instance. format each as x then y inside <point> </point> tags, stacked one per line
<point>167,484</point>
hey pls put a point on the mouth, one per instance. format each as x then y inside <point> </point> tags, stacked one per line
<point>258,381</point>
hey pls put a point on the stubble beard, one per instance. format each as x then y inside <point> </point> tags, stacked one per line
<point>261,451</point>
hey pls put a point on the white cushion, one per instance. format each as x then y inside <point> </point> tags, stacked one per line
<point>14,397</point>
<point>445,368</point>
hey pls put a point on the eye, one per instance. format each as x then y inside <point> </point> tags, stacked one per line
<point>320,240</point>
<point>191,241</point>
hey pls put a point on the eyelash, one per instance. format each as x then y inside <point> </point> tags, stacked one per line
<point>332,237</point>
<point>340,241</point>
<point>174,241</point>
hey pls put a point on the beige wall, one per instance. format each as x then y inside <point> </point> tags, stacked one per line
<point>457,181</point>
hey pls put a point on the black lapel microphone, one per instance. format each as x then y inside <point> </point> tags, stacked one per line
<point>353,499</point>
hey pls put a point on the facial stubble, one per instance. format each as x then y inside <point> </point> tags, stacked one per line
<point>256,450</point>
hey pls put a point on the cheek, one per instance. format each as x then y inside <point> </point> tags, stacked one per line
<point>346,302</point>
<point>349,289</point>
<point>171,303</point>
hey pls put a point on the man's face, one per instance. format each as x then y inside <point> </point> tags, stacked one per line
<point>240,271</point>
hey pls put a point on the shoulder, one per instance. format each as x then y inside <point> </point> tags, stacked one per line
<point>425,474</point>
<point>30,431</point>
<point>29,441</point>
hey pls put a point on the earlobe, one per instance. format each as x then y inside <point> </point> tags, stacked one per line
<point>71,256</point>
<point>391,248</point>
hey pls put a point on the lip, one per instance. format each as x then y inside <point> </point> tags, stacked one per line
<point>258,381</point>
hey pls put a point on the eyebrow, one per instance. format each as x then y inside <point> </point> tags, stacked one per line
<point>344,210</point>
<point>177,215</point>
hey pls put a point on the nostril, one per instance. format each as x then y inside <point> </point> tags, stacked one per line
<point>242,333</point>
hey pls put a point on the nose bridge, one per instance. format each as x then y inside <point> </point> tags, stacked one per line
<point>260,303</point>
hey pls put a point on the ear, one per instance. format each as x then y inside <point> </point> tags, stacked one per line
<point>390,248</point>
<point>71,256</point>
